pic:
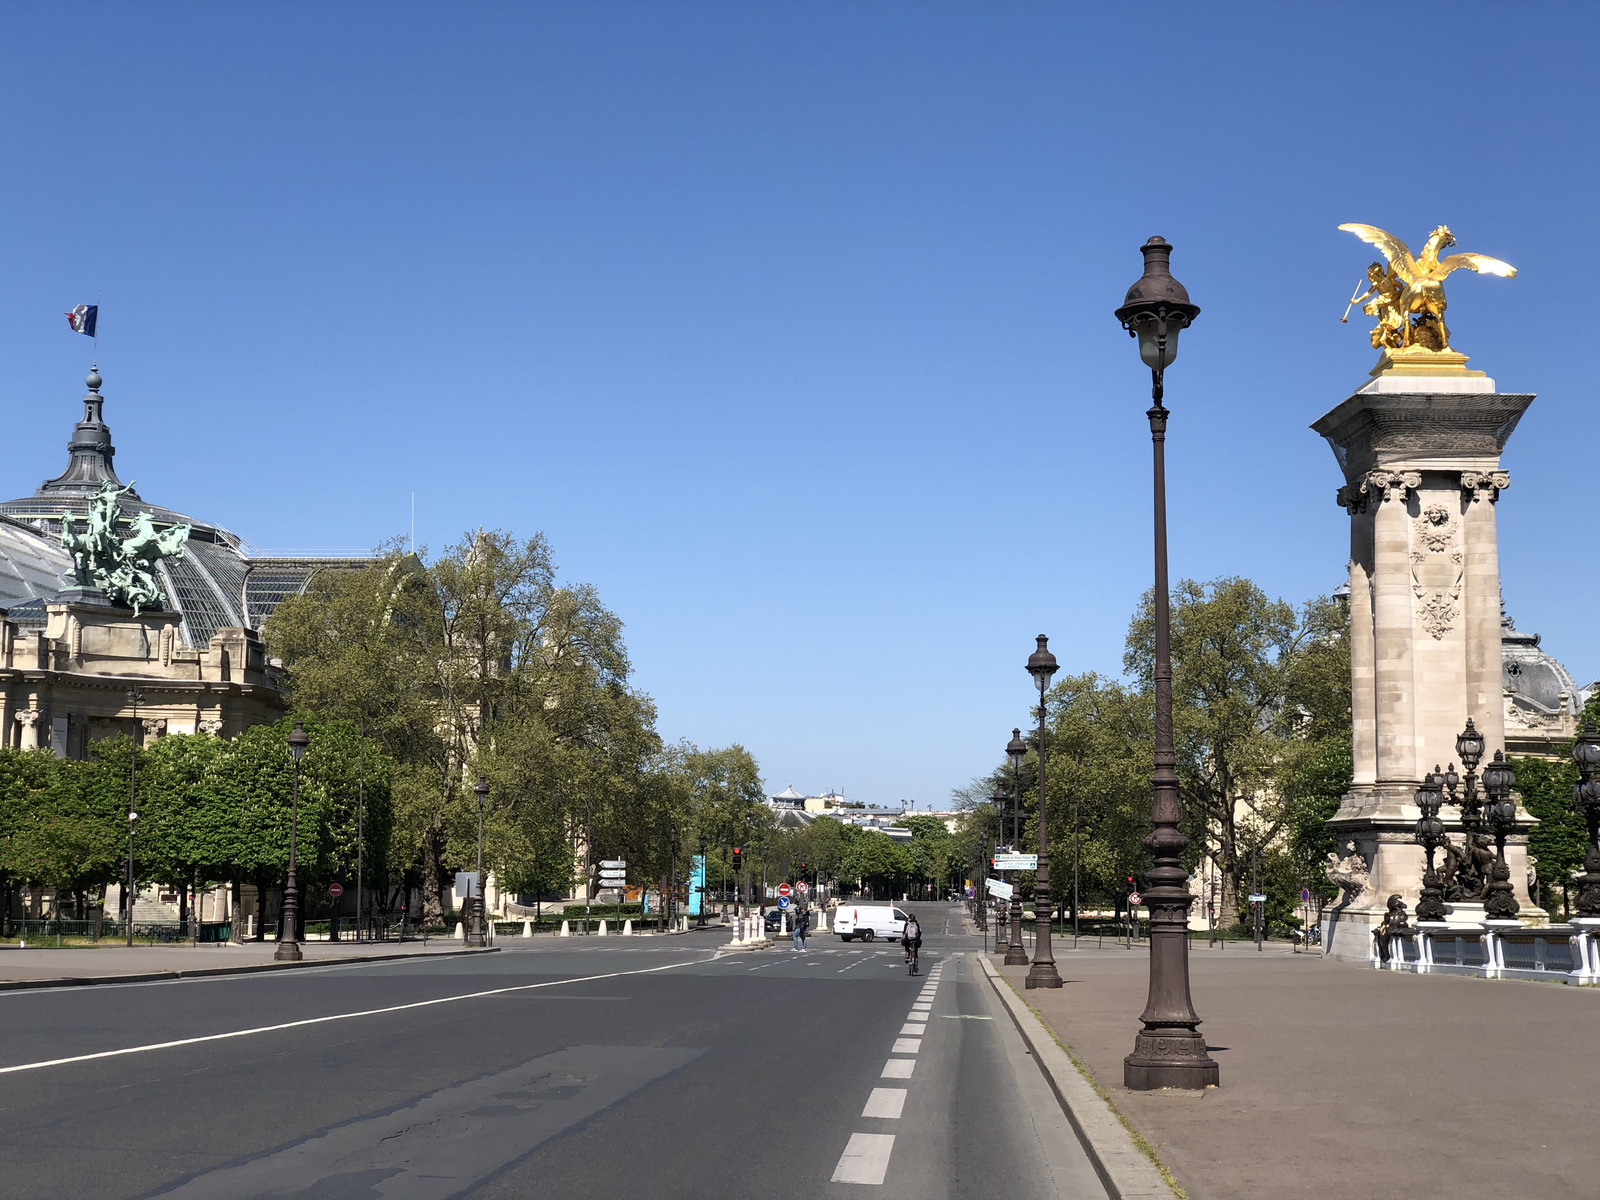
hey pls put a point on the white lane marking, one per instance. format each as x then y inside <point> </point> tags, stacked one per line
<point>885,1103</point>
<point>963,1017</point>
<point>857,963</point>
<point>898,1068</point>
<point>915,1028</point>
<point>906,1045</point>
<point>865,1159</point>
<point>367,1012</point>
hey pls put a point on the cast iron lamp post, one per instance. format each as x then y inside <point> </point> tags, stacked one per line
<point>481,791</point>
<point>1043,973</point>
<point>289,934</point>
<point>135,696</point>
<point>1016,953</point>
<point>701,923</point>
<point>1169,1051</point>
<point>1586,799</point>
<point>1498,779</point>
<point>1430,836</point>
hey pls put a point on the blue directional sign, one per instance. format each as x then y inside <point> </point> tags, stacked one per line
<point>783,902</point>
<point>697,883</point>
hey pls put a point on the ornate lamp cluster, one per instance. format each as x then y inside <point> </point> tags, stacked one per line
<point>1470,871</point>
<point>1586,799</point>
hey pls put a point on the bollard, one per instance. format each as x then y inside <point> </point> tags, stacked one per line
<point>627,927</point>
<point>602,927</point>
<point>565,932</point>
<point>461,932</point>
<point>527,929</point>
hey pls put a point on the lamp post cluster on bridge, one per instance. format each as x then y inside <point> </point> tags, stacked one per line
<point>1469,872</point>
<point>1586,799</point>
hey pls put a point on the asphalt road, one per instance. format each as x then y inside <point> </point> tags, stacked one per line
<point>581,1068</point>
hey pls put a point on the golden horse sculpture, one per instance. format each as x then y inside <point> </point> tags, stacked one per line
<point>1414,288</point>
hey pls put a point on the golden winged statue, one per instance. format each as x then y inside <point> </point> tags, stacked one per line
<point>1408,296</point>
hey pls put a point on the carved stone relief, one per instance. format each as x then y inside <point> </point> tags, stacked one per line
<point>1437,569</point>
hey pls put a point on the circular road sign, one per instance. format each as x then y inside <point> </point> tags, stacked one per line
<point>803,886</point>
<point>1135,900</point>
<point>783,902</point>
<point>783,889</point>
<point>1305,895</point>
<point>336,890</point>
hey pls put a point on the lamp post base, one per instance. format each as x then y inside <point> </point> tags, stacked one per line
<point>1169,1058</point>
<point>288,952</point>
<point>1043,975</point>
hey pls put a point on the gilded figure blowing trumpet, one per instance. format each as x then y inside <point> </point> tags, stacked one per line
<point>1407,298</point>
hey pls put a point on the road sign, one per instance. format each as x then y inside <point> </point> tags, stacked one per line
<point>1135,900</point>
<point>1305,895</point>
<point>803,886</point>
<point>336,890</point>
<point>1258,898</point>
<point>611,863</point>
<point>1016,862</point>
<point>783,889</point>
<point>998,887</point>
<point>783,902</point>
<point>612,878</point>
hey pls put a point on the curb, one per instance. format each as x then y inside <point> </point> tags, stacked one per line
<point>18,985</point>
<point>1122,1167</point>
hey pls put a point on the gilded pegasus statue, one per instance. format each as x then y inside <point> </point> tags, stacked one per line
<point>1408,297</point>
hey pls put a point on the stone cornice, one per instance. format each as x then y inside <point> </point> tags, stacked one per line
<point>1402,429</point>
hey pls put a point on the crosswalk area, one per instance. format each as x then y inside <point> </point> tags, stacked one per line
<point>866,1156</point>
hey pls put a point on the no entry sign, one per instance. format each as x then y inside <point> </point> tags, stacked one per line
<point>783,889</point>
<point>336,890</point>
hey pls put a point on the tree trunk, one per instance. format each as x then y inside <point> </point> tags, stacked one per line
<point>432,886</point>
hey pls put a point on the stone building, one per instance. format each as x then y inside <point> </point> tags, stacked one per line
<point>75,669</point>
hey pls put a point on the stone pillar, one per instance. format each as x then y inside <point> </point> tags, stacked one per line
<point>1394,680</point>
<point>1480,492</point>
<point>28,719</point>
<point>1420,453</point>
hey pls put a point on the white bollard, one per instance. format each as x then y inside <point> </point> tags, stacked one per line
<point>683,924</point>
<point>786,922</point>
<point>461,932</point>
<point>822,921</point>
<point>565,932</point>
<point>627,927</point>
<point>527,929</point>
<point>602,927</point>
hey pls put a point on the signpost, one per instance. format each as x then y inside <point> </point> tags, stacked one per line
<point>783,889</point>
<point>804,887</point>
<point>336,890</point>
<point>783,902</point>
<point>1135,900</point>
<point>999,887</point>
<point>1016,862</point>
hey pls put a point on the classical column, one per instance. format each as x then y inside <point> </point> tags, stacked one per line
<point>1364,721</point>
<point>1485,701</point>
<point>1394,685</point>
<point>29,718</point>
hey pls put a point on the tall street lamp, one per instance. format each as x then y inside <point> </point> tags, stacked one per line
<point>1498,779</point>
<point>476,938</point>
<point>134,698</point>
<point>998,798</point>
<point>1169,1051</point>
<point>289,934</point>
<point>1586,799</point>
<point>1042,665</point>
<point>1016,953</point>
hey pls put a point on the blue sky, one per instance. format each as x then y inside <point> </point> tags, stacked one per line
<point>790,325</point>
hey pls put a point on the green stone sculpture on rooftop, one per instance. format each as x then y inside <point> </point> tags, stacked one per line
<point>121,568</point>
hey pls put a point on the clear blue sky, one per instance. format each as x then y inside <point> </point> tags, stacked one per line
<point>790,325</point>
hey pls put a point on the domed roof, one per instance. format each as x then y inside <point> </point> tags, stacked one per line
<point>215,585</point>
<point>1534,681</point>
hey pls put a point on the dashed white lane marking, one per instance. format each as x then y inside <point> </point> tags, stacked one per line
<point>865,1159</point>
<point>367,1012</point>
<point>857,963</point>
<point>914,1028</point>
<point>905,1045</point>
<point>898,1068</point>
<point>885,1103</point>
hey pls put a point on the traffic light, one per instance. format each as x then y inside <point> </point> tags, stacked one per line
<point>738,858</point>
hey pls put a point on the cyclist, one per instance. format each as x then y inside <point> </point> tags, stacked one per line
<point>911,939</point>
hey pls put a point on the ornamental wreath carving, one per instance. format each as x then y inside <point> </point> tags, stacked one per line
<point>1436,570</point>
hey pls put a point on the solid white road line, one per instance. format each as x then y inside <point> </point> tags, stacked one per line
<point>898,1068</point>
<point>885,1103</point>
<point>906,1045</point>
<point>368,1012</point>
<point>865,1159</point>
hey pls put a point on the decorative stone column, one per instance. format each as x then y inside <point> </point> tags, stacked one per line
<point>1420,452</point>
<point>28,720</point>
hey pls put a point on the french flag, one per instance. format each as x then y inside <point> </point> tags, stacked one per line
<point>82,319</point>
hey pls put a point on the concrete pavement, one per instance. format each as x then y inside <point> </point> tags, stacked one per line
<point>1341,1081</point>
<point>573,1068</point>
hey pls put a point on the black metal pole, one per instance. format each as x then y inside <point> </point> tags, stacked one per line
<point>133,813</point>
<point>1043,973</point>
<point>1016,952</point>
<point>288,935</point>
<point>361,808</point>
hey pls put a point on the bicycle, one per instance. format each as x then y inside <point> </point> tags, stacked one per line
<point>912,957</point>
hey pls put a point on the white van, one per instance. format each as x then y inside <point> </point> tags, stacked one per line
<point>869,921</point>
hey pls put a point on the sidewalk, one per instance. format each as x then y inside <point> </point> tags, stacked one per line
<point>1339,1081</point>
<point>106,962</point>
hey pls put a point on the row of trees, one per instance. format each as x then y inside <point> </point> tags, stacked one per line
<point>209,811</point>
<point>1261,720</point>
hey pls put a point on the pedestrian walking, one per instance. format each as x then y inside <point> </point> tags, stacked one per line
<point>802,926</point>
